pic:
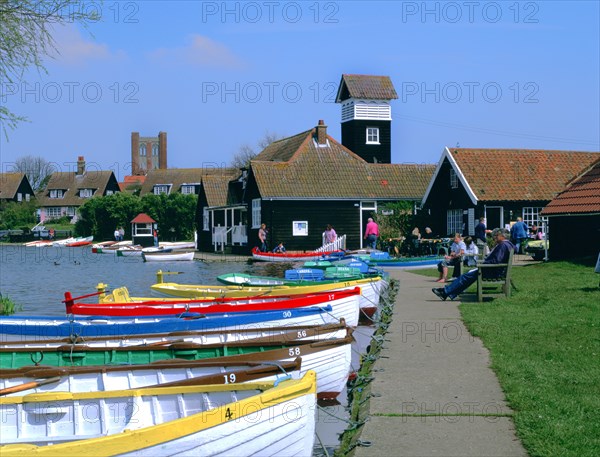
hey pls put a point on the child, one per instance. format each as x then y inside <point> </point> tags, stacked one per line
<point>279,248</point>
<point>471,252</point>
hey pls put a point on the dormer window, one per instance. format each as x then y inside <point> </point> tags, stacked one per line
<point>86,193</point>
<point>161,189</point>
<point>57,193</point>
<point>188,189</point>
<point>372,135</point>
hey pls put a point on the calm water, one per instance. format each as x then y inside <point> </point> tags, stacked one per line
<point>37,278</point>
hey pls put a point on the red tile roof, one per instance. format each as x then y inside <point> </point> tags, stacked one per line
<point>519,174</point>
<point>581,196</point>
<point>296,167</point>
<point>142,218</point>
<point>366,87</point>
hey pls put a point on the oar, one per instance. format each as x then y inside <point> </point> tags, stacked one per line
<point>28,385</point>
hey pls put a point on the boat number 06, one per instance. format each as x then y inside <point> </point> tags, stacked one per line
<point>294,351</point>
<point>230,378</point>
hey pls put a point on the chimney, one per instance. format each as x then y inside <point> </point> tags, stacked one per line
<point>135,153</point>
<point>80,165</point>
<point>322,132</point>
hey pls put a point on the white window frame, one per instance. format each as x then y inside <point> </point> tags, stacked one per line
<point>19,197</point>
<point>205,219</point>
<point>256,217</point>
<point>109,192</point>
<point>453,179</point>
<point>57,193</point>
<point>188,189</point>
<point>531,215</point>
<point>86,193</point>
<point>53,212</point>
<point>373,135</point>
<point>27,197</point>
<point>454,221</point>
<point>142,229</point>
<point>161,189</point>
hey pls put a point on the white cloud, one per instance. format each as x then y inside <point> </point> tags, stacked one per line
<point>200,51</point>
<point>72,48</point>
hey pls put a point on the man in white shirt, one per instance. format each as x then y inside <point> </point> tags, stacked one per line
<point>457,250</point>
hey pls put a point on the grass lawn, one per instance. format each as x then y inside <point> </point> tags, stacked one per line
<point>545,348</point>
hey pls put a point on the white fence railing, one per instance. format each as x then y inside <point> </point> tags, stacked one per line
<point>339,244</point>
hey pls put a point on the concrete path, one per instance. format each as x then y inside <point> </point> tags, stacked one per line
<point>435,394</point>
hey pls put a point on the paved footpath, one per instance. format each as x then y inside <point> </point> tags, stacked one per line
<point>432,366</point>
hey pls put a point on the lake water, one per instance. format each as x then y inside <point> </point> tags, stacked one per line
<point>37,278</point>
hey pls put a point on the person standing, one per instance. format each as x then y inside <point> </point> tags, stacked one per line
<point>330,234</point>
<point>262,238</point>
<point>155,235</point>
<point>116,234</point>
<point>481,232</point>
<point>500,254</point>
<point>371,233</point>
<point>121,233</point>
<point>518,234</point>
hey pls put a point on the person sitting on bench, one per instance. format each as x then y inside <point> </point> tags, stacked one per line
<point>457,250</point>
<point>499,254</point>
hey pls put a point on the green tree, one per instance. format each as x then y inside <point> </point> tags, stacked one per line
<point>395,219</point>
<point>99,216</point>
<point>17,215</point>
<point>26,39</point>
<point>174,213</point>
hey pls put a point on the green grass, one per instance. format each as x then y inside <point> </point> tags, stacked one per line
<point>544,343</point>
<point>7,306</point>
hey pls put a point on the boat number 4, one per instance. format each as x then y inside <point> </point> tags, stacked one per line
<point>230,378</point>
<point>228,414</point>
<point>294,351</point>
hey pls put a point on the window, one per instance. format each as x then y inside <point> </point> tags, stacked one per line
<point>454,221</point>
<point>57,193</point>
<point>70,211</point>
<point>143,229</point>
<point>531,215</point>
<point>19,197</point>
<point>453,179</point>
<point>161,189</point>
<point>256,213</point>
<point>142,149</point>
<point>109,192</point>
<point>205,220</point>
<point>372,135</point>
<point>27,197</point>
<point>188,189</point>
<point>86,193</point>
<point>154,149</point>
<point>53,212</point>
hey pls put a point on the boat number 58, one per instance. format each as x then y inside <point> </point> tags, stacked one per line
<point>294,351</point>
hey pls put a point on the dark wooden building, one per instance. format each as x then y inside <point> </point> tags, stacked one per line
<point>15,187</point>
<point>298,185</point>
<point>574,218</point>
<point>498,184</point>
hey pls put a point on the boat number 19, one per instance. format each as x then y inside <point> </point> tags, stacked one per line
<point>230,378</point>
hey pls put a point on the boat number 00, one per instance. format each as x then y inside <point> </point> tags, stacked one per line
<point>287,314</point>
<point>229,379</point>
<point>294,351</point>
<point>302,334</point>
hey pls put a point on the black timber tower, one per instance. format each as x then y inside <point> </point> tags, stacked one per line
<point>367,116</point>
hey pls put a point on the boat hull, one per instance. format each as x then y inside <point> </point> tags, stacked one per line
<point>288,257</point>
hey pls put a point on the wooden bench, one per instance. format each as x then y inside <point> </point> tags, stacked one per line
<point>504,281</point>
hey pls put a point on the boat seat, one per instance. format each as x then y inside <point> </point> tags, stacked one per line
<point>121,295</point>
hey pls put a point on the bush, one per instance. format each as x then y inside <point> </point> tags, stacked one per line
<point>7,306</point>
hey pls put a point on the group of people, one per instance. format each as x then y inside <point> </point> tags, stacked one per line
<point>119,234</point>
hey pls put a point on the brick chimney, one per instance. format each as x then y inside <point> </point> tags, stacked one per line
<point>80,165</point>
<point>162,150</point>
<point>321,132</point>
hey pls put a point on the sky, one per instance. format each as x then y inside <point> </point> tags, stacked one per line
<point>218,75</point>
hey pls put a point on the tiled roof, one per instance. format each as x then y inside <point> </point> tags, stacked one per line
<point>519,174</point>
<point>366,87</point>
<point>72,183</point>
<point>9,183</point>
<point>216,188</point>
<point>333,172</point>
<point>142,218</point>
<point>581,196</point>
<point>178,176</point>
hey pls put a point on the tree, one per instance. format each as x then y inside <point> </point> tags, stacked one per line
<point>15,215</point>
<point>246,153</point>
<point>26,39</point>
<point>37,169</point>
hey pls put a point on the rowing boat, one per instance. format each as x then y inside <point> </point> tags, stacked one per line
<point>168,256</point>
<point>344,304</point>
<point>42,327</point>
<point>288,256</point>
<point>265,419</point>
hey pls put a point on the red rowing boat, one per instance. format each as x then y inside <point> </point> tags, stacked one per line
<point>289,256</point>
